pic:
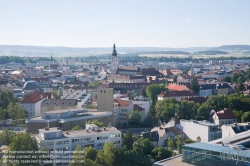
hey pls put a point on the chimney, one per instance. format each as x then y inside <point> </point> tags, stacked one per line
<point>104,128</point>
<point>67,132</point>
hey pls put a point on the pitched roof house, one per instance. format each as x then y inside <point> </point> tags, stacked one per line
<point>32,102</point>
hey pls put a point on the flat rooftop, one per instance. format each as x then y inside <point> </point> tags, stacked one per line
<point>173,161</point>
<point>86,115</point>
<point>204,123</point>
<point>79,133</point>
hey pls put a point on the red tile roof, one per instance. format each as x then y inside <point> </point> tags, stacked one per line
<point>226,114</point>
<point>122,103</point>
<point>33,97</point>
<point>176,87</point>
<point>177,93</point>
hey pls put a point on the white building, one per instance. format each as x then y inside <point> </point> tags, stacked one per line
<point>205,130</point>
<point>32,103</point>
<point>223,117</point>
<point>54,139</point>
<point>233,129</point>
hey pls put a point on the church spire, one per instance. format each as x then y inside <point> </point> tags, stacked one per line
<point>51,59</point>
<point>114,51</point>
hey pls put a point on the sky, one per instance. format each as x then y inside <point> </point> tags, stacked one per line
<point>128,23</point>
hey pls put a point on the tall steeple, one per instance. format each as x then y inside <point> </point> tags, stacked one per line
<point>114,51</point>
<point>114,61</point>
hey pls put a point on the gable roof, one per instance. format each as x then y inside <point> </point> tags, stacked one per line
<point>33,97</point>
<point>175,131</point>
<point>122,103</point>
<point>226,114</point>
<point>167,72</point>
<point>177,87</point>
<point>152,136</point>
<point>137,107</point>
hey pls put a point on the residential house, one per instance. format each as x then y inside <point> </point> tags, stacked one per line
<point>122,109</point>
<point>32,103</point>
<point>165,133</point>
<point>223,117</point>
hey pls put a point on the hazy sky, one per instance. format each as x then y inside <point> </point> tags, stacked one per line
<point>130,23</point>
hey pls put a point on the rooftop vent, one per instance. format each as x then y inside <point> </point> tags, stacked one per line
<point>104,129</point>
<point>67,132</point>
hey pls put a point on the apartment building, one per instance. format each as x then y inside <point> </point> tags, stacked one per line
<point>54,139</point>
<point>223,117</point>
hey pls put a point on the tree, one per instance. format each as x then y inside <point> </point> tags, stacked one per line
<point>227,79</point>
<point>246,117</point>
<point>165,109</point>
<point>238,114</point>
<point>170,144</point>
<point>160,153</point>
<point>107,156</point>
<point>76,128</point>
<point>153,90</point>
<point>143,91</point>
<point>96,122</point>
<point>134,117</point>
<point>204,111</point>
<point>23,142</point>
<point>187,110</point>
<point>7,136</point>
<point>78,157</point>
<point>194,85</point>
<point>179,143</point>
<point>16,111</point>
<point>55,94</point>
<point>143,144</point>
<point>90,153</point>
<point>236,76</point>
<point>127,140</point>
<point>240,86</point>
<point>198,139</point>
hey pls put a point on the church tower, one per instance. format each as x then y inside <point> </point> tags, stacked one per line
<point>114,60</point>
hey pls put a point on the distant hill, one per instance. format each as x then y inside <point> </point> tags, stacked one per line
<point>210,52</point>
<point>166,52</point>
<point>43,51</point>
<point>234,47</point>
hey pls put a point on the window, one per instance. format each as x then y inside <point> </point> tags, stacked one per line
<point>99,138</point>
<point>66,142</point>
<point>99,144</point>
<point>87,139</point>
<point>59,143</point>
<point>105,137</point>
